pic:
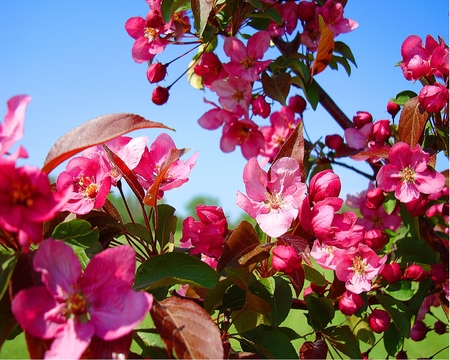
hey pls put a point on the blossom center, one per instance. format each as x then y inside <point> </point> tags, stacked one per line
<point>22,194</point>
<point>150,33</point>
<point>247,63</point>
<point>87,185</point>
<point>359,265</point>
<point>408,174</point>
<point>274,200</point>
<point>77,304</point>
<point>238,95</point>
<point>376,221</point>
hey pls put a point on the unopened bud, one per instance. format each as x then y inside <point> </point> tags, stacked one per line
<point>415,273</point>
<point>286,259</point>
<point>381,130</point>
<point>375,198</point>
<point>297,104</point>
<point>392,108</point>
<point>379,321</point>
<point>418,331</point>
<point>438,273</point>
<point>156,72</point>
<point>160,95</point>
<point>440,328</point>
<point>362,118</point>
<point>392,272</point>
<point>335,142</point>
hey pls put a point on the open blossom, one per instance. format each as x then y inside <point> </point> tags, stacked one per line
<point>90,180</point>
<point>272,203</point>
<point>71,306</point>
<point>206,236</point>
<point>245,62</point>
<point>12,128</point>
<point>234,94</point>
<point>244,133</point>
<point>408,173</point>
<point>27,201</point>
<point>357,267</point>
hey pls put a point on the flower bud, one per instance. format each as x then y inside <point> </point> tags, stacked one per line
<point>297,104</point>
<point>440,327</point>
<point>418,331</point>
<point>318,289</point>
<point>392,272</point>
<point>433,97</point>
<point>392,108</point>
<point>286,259</point>
<point>415,273</point>
<point>381,130</point>
<point>438,273</point>
<point>260,107</point>
<point>156,72</point>
<point>401,355</point>
<point>417,207</point>
<point>160,95</point>
<point>324,184</point>
<point>335,142</point>
<point>350,303</point>
<point>379,321</point>
<point>375,239</point>
<point>375,198</point>
<point>362,118</point>
<point>306,10</point>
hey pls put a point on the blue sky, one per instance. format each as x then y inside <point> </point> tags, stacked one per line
<point>74,60</point>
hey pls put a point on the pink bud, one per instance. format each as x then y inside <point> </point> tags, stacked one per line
<point>335,142</point>
<point>297,104</point>
<point>318,289</point>
<point>306,10</point>
<point>392,272</point>
<point>375,198</point>
<point>438,273</point>
<point>401,355</point>
<point>375,239</point>
<point>362,118</point>
<point>323,185</point>
<point>433,97</point>
<point>379,321</point>
<point>260,106</point>
<point>381,130</point>
<point>417,207</point>
<point>285,259</point>
<point>156,72</point>
<point>393,108</point>
<point>418,331</point>
<point>350,303</point>
<point>440,328</point>
<point>160,95</point>
<point>415,273</point>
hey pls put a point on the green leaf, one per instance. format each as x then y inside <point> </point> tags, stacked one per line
<point>174,268</point>
<point>273,341</point>
<point>398,312</point>
<point>167,224</point>
<point>392,340</point>
<point>420,295</point>
<point>140,231</point>
<point>401,290</point>
<point>168,7</point>
<point>269,13</point>
<point>201,10</point>
<point>390,203</point>
<point>77,233</point>
<point>310,89</point>
<point>213,297</point>
<point>344,50</point>
<point>361,329</point>
<point>403,96</point>
<point>279,299</point>
<point>342,338</point>
<point>314,276</point>
<point>151,343</point>
<point>320,311</point>
<point>413,250</point>
<point>8,261</point>
<point>344,62</point>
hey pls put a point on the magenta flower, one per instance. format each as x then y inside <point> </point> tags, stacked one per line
<point>12,128</point>
<point>244,62</point>
<point>244,133</point>
<point>286,259</point>
<point>27,201</point>
<point>408,173</point>
<point>71,306</point>
<point>434,97</point>
<point>324,184</point>
<point>379,320</point>
<point>325,255</point>
<point>210,69</point>
<point>207,236</point>
<point>234,94</point>
<point>272,203</point>
<point>357,267</point>
<point>91,182</point>
<point>350,303</point>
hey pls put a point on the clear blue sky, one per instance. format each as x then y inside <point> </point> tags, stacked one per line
<point>74,59</point>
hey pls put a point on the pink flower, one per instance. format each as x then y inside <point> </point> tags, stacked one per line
<point>244,62</point>
<point>207,236</point>
<point>333,15</point>
<point>234,94</point>
<point>244,133</point>
<point>288,13</point>
<point>324,184</point>
<point>350,303</point>
<point>325,255</point>
<point>27,201</point>
<point>210,68</point>
<point>272,203</point>
<point>362,118</point>
<point>260,106</point>
<point>286,259</point>
<point>408,173</point>
<point>90,180</point>
<point>357,267</point>
<point>433,97</point>
<point>71,306</point>
<point>156,72</point>
<point>379,321</point>
<point>392,272</point>
<point>215,118</point>
<point>12,128</point>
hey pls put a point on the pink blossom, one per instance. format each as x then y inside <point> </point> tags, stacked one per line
<point>362,118</point>
<point>244,133</point>
<point>379,320</point>
<point>288,13</point>
<point>325,255</point>
<point>433,97</point>
<point>215,118</point>
<point>260,106</point>
<point>234,94</point>
<point>408,173</point>
<point>324,184</point>
<point>357,267</point>
<point>153,161</point>
<point>12,128</point>
<point>333,15</point>
<point>244,60</point>
<point>272,203</point>
<point>286,259</point>
<point>207,236</point>
<point>90,180</point>
<point>71,306</point>
<point>27,201</point>
<point>392,272</point>
<point>350,303</point>
<point>210,69</point>
<point>379,219</point>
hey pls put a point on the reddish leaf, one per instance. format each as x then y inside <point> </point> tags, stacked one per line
<point>94,132</point>
<point>297,280</point>
<point>259,253</point>
<point>242,241</point>
<point>324,50</point>
<point>294,147</point>
<point>276,87</point>
<point>314,350</point>
<point>375,153</point>
<point>201,10</point>
<point>412,122</point>
<point>36,347</point>
<point>187,328</point>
